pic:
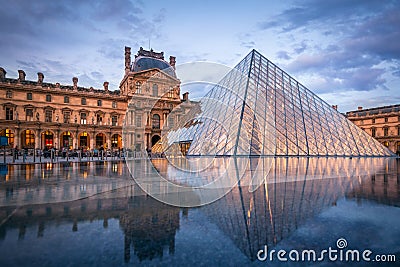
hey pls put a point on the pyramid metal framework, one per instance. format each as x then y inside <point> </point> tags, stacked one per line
<point>258,109</point>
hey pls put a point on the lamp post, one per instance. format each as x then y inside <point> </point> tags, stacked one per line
<point>40,142</point>
<point>111,148</point>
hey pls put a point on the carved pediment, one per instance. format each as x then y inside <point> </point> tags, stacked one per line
<point>49,108</point>
<point>29,106</point>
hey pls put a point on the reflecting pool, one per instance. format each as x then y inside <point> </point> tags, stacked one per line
<point>95,214</point>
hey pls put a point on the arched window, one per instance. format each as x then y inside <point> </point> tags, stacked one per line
<point>156,121</point>
<point>386,144</point>
<point>155,90</point>
<point>373,132</point>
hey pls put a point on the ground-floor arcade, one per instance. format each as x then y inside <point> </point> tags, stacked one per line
<point>59,138</point>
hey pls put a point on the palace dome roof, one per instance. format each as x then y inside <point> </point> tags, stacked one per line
<point>146,63</point>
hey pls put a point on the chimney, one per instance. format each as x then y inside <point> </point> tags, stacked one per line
<point>75,81</point>
<point>186,96</point>
<point>334,107</point>
<point>40,77</point>
<point>2,74</point>
<point>127,59</point>
<point>172,61</point>
<point>359,108</point>
<point>105,84</point>
<point>21,75</point>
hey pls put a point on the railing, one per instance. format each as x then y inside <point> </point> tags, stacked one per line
<point>10,155</point>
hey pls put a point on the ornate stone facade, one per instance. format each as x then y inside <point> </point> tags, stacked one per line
<point>36,114</point>
<point>154,90</point>
<point>383,123</point>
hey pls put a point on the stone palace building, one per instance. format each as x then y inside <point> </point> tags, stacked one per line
<point>37,114</point>
<point>382,123</point>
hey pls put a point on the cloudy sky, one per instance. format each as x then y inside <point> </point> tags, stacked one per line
<point>346,51</point>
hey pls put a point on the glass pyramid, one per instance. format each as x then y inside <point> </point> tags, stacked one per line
<point>257,109</point>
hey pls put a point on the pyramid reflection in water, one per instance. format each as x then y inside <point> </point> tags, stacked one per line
<point>297,190</point>
<point>258,109</point>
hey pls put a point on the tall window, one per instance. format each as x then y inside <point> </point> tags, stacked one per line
<point>156,121</point>
<point>10,136</point>
<point>48,116</point>
<point>29,96</point>
<point>373,120</point>
<point>114,104</point>
<point>385,131</point>
<point>373,132</point>
<point>9,113</point>
<point>29,139</point>
<point>66,99</point>
<point>99,103</point>
<point>67,116</point>
<point>83,118</point>
<point>138,88</point>
<point>99,119</point>
<point>29,114</point>
<point>114,141</point>
<point>48,139</point>
<point>386,119</point>
<point>83,101</point>
<point>48,98</point>
<point>138,121</point>
<point>155,90</point>
<point>66,139</point>
<point>9,94</point>
<point>100,140</point>
<point>83,139</point>
<point>114,120</point>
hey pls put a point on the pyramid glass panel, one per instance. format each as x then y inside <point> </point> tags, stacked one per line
<point>257,109</point>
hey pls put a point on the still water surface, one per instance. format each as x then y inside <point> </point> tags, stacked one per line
<point>94,214</point>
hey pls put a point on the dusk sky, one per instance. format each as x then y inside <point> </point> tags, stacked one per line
<point>348,52</point>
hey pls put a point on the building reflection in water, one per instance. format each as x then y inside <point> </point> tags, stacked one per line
<point>293,191</point>
<point>149,226</point>
<point>68,181</point>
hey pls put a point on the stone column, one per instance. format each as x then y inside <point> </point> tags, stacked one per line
<point>109,141</point>
<point>57,144</point>
<point>17,138</point>
<point>164,120</point>
<point>92,143</point>
<point>76,142</point>
<point>38,137</point>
